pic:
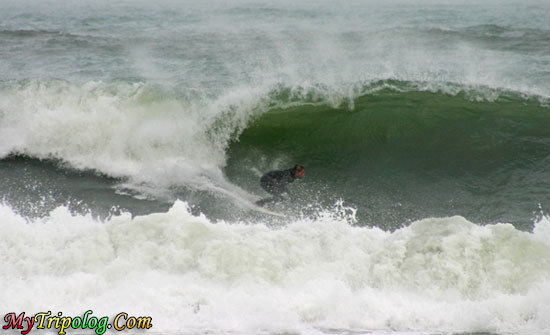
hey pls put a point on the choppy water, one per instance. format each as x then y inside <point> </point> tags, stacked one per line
<point>128,132</point>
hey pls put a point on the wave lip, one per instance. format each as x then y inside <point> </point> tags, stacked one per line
<point>95,123</point>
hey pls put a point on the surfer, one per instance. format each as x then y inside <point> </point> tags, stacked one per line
<point>276,182</point>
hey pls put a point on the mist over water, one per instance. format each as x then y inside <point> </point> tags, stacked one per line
<point>133,136</point>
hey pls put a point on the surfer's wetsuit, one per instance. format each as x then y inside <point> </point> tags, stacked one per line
<point>275,183</point>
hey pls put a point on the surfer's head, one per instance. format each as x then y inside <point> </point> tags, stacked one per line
<point>299,171</point>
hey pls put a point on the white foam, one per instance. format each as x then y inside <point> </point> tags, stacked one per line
<point>124,130</point>
<point>192,274</point>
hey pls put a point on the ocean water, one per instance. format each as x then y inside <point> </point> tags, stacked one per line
<point>132,135</point>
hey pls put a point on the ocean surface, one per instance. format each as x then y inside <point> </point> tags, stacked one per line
<point>133,135</point>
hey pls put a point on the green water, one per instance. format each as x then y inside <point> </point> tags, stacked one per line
<point>404,156</point>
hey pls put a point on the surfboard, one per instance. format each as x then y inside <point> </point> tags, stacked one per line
<point>266,211</point>
<point>245,200</point>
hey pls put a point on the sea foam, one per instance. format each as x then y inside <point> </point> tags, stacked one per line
<point>187,272</point>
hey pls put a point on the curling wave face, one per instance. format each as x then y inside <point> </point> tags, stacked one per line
<point>401,151</point>
<point>164,110</point>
